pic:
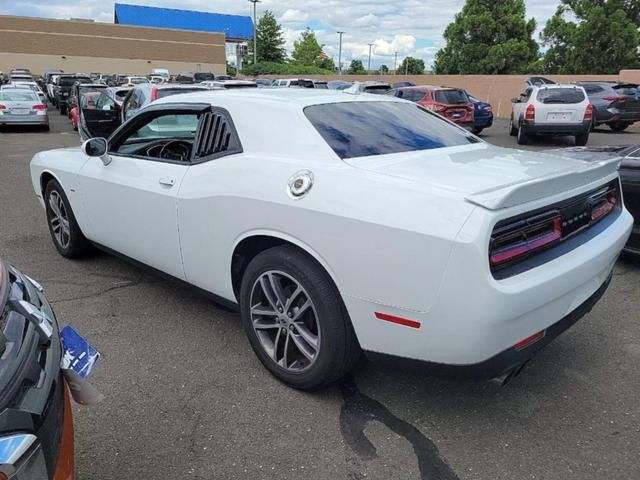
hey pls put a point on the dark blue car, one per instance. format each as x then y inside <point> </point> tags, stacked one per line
<point>482,115</point>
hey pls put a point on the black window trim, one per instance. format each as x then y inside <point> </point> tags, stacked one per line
<point>154,111</point>
<point>235,144</point>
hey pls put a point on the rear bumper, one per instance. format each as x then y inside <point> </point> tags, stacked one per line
<point>556,128</point>
<point>24,119</point>
<point>505,362</point>
<point>483,122</point>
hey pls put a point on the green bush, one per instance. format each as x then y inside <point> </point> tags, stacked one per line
<point>271,68</point>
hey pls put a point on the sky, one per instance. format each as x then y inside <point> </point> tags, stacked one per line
<point>409,27</point>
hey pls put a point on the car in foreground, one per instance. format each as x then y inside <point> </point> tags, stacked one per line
<point>346,222</point>
<point>22,107</point>
<point>482,115</point>
<point>614,104</point>
<point>140,96</point>
<point>551,109</point>
<point>62,89</point>
<point>629,156</point>
<point>452,103</point>
<point>36,432</point>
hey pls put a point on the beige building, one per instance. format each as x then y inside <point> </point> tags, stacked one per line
<point>78,46</point>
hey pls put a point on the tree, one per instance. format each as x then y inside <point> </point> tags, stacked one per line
<point>356,68</point>
<point>383,69</point>
<point>307,50</point>
<point>603,39</point>
<point>270,40</point>
<point>488,37</point>
<point>231,70</point>
<point>411,66</point>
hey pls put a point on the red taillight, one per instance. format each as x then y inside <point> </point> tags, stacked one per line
<point>588,113</point>
<point>615,98</point>
<point>605,205</point>
<point>2,107</point>
<point>154,94</point>
<point>39,106</point>
<point>529,340</point>
<point>523,237</point>
<point>530,113</point>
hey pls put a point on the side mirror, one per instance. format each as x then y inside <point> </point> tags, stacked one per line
<point>97,147</point>
<point>515,100</point>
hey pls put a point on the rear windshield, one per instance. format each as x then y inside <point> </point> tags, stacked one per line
<point>361,129</point>
<point>560,95</point>
<point>68,81</point>
<point>18,95</point>
<point>412,95</point>
<point>203,76</point>
<point>628,90</point>
<point>138,80</point>
<point>377,89</point>
<point>321,85</point>
<point>166,92</point>
<point>451,97</point>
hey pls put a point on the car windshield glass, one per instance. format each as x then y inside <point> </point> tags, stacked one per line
<point>203,77</point>
<point>450,97</point>
<point>18,95</point>
<point>560,95</point>
<point>360,129</point>
<point>377,89</point>
<point>181,126</point>
<point>138,80</point>
<point>68,81</point>
<point>628,90</point>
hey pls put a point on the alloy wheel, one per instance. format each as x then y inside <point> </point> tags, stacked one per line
<point>59,220</point>
<point>285,321</point>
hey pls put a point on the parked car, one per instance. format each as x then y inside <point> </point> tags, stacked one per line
<point>452,103</point>
<point>140,96</point>
<point>225,77</point>
<point>285,82</point>
<point>78,89</point>
<point>104,117</point>
<point>372,86</point>
<point>338,84</point>
<point>311,83</point>
<point>121,79</point>
<point>614,104</point>
<point>22,107</point>
<point>156,80</point>
<point>629,178</point>
<point>482,115</point>
<point>162,73</point>
<point>62,89</point>
<point>106,79</point>
<point>20,77</point>
<point>227,84</point>
<point>83,97</point>
<point>35,88</point>
<point>263,82</point>
<point>426,212</point>
<point>51,84</point>
<point>551,110</point>
<point>46,76</point>
<point>538,81</point>
<point>133,81</point>
<point>403,84</point>
<point>194,77</point>
<point>36,432</point>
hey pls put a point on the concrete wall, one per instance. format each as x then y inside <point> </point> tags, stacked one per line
<point>494,89</point>
<point>89,47</point>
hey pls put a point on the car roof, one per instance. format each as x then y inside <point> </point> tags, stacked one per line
<point>298,98</point>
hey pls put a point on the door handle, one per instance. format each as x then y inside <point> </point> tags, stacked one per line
<point>167,181</point>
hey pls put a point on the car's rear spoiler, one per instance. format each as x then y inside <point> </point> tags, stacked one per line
<point>510,195</point>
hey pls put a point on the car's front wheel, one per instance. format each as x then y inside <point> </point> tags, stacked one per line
<point>295,319</point>
<point>65,231</point>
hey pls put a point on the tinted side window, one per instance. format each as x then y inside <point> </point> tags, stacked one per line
<point>560,95</point>
<point>413,95</point>
<point>592,88</point>
<point>451,97</point>
<point>360,129</point>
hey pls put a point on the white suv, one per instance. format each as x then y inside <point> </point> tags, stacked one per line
<point>551,110</point>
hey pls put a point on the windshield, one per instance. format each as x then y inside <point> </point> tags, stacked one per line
<point>203,76</point>
<point>69,81</point>
<point>360,129</point>
<point>560,95</point>
<point>18,95</point>
<point>451,97</point>
<point>627,90</point>
<point>377,89</point>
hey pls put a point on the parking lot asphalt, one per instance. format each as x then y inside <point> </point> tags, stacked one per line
<point>187,398</point>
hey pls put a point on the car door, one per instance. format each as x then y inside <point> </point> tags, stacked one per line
<point>131,201</point>
<point>100,121</point>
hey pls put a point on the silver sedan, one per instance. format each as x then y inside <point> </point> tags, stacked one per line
<point>22,107</point>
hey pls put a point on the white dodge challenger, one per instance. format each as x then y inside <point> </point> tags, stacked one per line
<point>341,223</point>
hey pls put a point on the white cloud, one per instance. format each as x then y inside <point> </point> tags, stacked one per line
<point>403,27</point>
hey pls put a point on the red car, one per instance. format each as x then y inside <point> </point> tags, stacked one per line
<point>452,103</point>
<point>88,101</point>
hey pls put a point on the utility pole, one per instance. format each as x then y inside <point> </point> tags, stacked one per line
<point>395,64</point>
<point>369,66</point>
<point>340,53</point>
<point>255,39</point>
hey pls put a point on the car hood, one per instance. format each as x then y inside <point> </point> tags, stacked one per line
<point>490,176</point>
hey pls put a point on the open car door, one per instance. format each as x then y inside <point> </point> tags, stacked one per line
<point>100,121</point>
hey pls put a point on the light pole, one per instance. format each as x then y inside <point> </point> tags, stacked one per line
<point>340,53</point>
<point>255,40</point>
<point>395,64</point>
<point>369,65</point>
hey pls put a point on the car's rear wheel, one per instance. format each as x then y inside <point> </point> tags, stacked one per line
<point>582,139</point>
<point>65,232</point>
<point>523,136</point>
<point>295,319</point>
<point>618,126</point>
<point>513,131</point>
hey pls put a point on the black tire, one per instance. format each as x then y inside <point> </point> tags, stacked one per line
<point>63,109</point>
<point>338,347</point>
<point>78,245</point>
<point>477,131</point>
<point>523,136</point>
<point>513,131</point>
<point>46,128</point>
<point>582,139</point>
<point>619,126</point>
<point>593,122</point>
